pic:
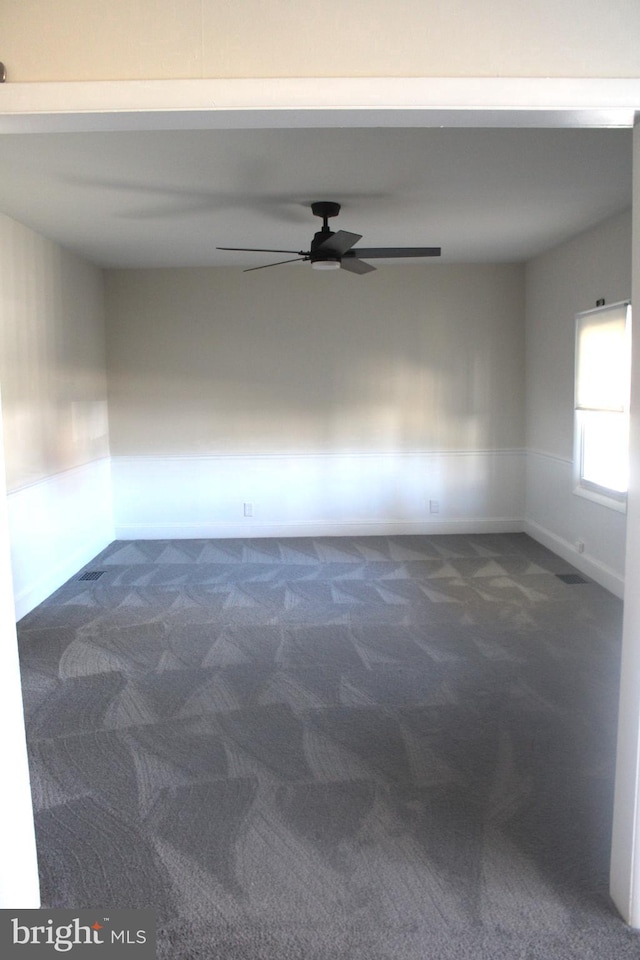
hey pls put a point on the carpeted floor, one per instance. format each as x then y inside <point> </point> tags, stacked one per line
<point>331,749</point>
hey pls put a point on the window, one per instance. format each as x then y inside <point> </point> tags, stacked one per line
<point>602,383</point>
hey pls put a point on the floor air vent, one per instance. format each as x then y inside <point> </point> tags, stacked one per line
<point>571,578</point>
<point>91,575</point>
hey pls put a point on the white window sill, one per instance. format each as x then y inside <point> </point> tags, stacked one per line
<point>612,501</point>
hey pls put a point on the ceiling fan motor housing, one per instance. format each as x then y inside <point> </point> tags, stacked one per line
<point>319,238</point>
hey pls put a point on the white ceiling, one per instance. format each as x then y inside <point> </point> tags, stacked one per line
<point>169,198</point>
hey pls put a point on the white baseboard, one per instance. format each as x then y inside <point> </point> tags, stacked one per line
<point>313,528</point>
<point>33,593</point>
<point>56,526</point>
<point>586,564</point>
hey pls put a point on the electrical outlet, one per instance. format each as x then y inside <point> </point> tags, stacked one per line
<point>248,509</point>
<point>580,546</point>
<point>434,506</point>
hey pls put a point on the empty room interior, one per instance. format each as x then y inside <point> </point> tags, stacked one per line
<point>315,569</point>
<point>287,543</point>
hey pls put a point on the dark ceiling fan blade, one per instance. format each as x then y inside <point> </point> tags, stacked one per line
<point>300,253</point>
<point>338,243</point>
<point>391,252</point>
<point>277,264</point>
<point>355,265</point>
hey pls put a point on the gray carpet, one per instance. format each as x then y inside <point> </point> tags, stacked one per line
<point>331,749</point>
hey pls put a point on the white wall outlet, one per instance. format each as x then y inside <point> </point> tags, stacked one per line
<point>580,546</point>
<point>248,509</point>
<point>434,506</point>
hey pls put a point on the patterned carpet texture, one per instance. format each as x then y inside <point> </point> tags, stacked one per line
<point>393,748</point>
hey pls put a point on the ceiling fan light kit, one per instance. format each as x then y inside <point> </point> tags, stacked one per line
<point>325,264</point>
<point>334,250</point>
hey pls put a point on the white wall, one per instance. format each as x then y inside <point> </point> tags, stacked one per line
<point>331,403</point>
<point>19,884</point>
<point>625,848</point>
<point>147,39</point>
<point>560,283</point>
<point>53,378</point>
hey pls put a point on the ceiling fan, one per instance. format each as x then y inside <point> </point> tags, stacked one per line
<point>330,251</point>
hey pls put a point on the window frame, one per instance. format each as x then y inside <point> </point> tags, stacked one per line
<point>606,496</point>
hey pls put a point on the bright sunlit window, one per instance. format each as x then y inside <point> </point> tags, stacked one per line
<point>603,367</point>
